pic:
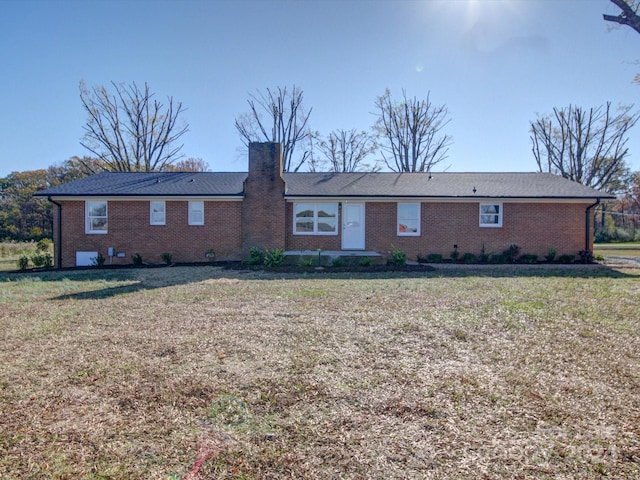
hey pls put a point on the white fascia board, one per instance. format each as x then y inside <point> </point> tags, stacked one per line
<point>175,198</point>
<point>362,199</point>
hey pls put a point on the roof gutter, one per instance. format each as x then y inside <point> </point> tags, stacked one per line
<point>58,243</point>
<point>587,233</point>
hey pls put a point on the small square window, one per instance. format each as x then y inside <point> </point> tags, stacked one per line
<point>196,213</point>
<point>491,215</point>
<point>408,219</point>
<point>158,213</point>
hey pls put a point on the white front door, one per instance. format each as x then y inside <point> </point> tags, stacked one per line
<point>353,226</point>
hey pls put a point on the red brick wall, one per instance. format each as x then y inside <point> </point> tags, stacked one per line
<point>534,227</point>
<point>129,231</point>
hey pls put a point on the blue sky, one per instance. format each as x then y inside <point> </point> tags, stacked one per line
<point>495,64</point>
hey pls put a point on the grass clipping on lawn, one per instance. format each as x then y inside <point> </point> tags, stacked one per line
<point>185,373</point>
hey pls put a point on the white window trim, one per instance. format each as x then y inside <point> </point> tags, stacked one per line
<point>315,218</point>
<point>190,211</point>
<point>408,234</point>
<point>87,222</point>
<point>500,214</point>
<point>164,212</point>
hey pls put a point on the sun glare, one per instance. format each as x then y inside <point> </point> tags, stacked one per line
<point>487,10</point>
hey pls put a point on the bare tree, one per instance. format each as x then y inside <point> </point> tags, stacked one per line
<point>347,150</point>
<point>277,116</point>
<point>129,130</point>
<point>629,15</point>
<point>411,132</point>
<point>587,146</point>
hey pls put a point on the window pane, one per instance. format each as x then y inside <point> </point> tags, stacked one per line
<point>327,210</point>
<point>408,226</point>
<point>327,225</point>
<point>490,208</point>
<point>407,210</point>
<point>489,219</point>
<point>97,209</point>
<point>304,226</point>
<point>98,224</point>
<point>304,210</point>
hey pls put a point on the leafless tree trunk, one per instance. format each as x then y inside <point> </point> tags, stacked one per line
<point>130,130</point>
<point>347,150</point>
<point>628,16</point>
<point>587,146</point>
<point>411,131</point>
<point>285,123</point>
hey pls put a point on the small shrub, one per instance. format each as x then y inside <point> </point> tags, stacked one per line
<point>338,262</point>
<point>23,263</point>
<point>551,254</point>
<point>497,258</point>
<point>365,262</point>
<point>44,245</point>
<point>455,254</point>
<point>566,258</point>
<point>398,257</point>
<point>528,258</point>
<point>210,254</point>
<point>136,258</point>
<point>256,256</point>
<point>435,258</point>
<point>274,257</point>
<point>167,258</point>
<point>431,258</point>
<point>598,258</point>
<point>42,260</point>
<point>98,261</point>
<point>586,256</point>
<point>469,258</point>
<point>306,262</point>
<point>36,260</point>
<point>511,253</point>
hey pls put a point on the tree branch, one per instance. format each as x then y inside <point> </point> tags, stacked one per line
<point>628,16</point>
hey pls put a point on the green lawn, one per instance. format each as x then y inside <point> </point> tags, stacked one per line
<point>480,372</point>
<point>630,249</point>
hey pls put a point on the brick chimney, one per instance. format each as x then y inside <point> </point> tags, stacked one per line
<point>263,207</point>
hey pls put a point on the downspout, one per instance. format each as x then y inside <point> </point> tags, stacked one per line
<point>587,244</point>
<point>58,244</point>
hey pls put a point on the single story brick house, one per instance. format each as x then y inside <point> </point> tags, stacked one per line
<point>189,214</point>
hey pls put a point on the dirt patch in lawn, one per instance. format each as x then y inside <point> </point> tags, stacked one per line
<point>212,373</point>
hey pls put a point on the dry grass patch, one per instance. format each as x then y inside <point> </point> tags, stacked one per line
<point>205,373</point>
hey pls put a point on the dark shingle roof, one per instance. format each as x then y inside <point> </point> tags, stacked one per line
<point>437,185</point>
<point>382,184</point>
<point>166,184</point>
